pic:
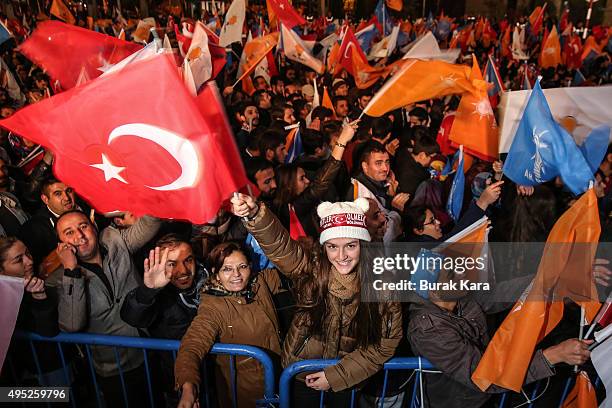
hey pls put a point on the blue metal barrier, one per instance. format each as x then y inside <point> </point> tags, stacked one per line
<point>145,344</point>
<point>398,363</point>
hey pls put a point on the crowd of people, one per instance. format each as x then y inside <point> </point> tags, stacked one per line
<point>275,268</point>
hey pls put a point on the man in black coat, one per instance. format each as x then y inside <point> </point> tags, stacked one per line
<point>168,299</point>
<point>38,233</point>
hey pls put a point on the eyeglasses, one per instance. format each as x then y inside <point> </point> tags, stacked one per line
<point>230,269</point>
<point>433,221</point>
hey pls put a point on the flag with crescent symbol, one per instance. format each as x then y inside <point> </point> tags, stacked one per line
<point>136,140</point>
<point>65,52</point>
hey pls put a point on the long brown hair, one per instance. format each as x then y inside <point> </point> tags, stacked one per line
<point>312,299</point>
<point>286,181</point>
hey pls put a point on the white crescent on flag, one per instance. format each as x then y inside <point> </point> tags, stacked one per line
<point>183,151</point>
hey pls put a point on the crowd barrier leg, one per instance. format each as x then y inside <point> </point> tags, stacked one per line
<point>534,393</point>
<point>121,378</point>
<point>566,389</point>
<point>37,364</point>
<point>148,375</point>
<point>66,375</point>
<point>93,375</point>
<point>384,389</point>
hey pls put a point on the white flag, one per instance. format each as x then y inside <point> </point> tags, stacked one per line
<point>8,82</point>
<point>232,27</point>
<point>295,49</point>
<point>243,56</point>
<point>427,48</point>
<point>517,45</point>
<point>386,46</point>
<point>262,69</point>
<point>600,356</point>
<point>11,292</point>
<point>198,56</point>
<point>589,106</point>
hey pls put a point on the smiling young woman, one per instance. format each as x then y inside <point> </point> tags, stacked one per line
<point>330,321</point>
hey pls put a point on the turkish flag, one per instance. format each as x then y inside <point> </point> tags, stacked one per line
<point>68,52</point>
<point>136,140</point>
<point>284,11</point>
<point>349,46</point>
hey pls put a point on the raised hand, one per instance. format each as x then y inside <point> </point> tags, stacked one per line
<point>155,274</point>
<point>244,205</point>
<point>489,195</point>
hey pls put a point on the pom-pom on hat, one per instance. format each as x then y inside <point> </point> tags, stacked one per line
<point>344,219</point>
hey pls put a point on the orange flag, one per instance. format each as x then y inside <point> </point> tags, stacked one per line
<point>590,45</point>
<point>327,102</point>
<point>551,52</point>
<point>247,85</point>
<point>366,75</point>
<point>396,5</point>
<point>474,126</point>
<point>506,42</point>
<point>256,50</point>
<point>565,270</point>
<point>582,395</point>
<point>536,18</point>
<point>333,58</point>
<point>418,81</point>
<point>61,11</point>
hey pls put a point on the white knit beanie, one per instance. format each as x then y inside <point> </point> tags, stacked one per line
<point>343,220</point>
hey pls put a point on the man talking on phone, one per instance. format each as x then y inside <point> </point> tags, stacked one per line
<point>98,274</point>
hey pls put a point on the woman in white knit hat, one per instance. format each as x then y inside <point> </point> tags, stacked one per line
<point>330,321</point>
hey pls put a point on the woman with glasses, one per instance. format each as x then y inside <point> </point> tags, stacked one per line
<point>421,225</point>
<point>236,306</point>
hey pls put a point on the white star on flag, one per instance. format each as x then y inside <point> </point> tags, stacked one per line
<point>110,171</point>
<point>105,65</point>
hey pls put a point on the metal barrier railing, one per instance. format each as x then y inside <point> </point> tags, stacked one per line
<point>398,363</point>
<point>417,364</point>
<point>148,344</point>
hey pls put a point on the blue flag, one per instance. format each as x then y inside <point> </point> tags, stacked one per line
<point>578,78</point>
<point>5,34</point>
<point>455,197</point>
<point>295,148</point>
<point>366,37</point>
<point>595,146</point>
<point>259,260</point>
<point>492,76</point>
<point>542,149</point>
<point>442,30</point>
<point>382,14</point>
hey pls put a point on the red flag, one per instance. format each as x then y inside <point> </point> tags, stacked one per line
<point>349,46</point>
<point>128,150</point>
<point>564,20</point>
<point>604,316</point>
<point>572,51</point>
<point>285,12</point>
<point>67,51</point>
<point>295,226</point>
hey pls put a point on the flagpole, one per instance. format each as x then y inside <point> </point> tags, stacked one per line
<point>581,330</point>
<point>588,19</point>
